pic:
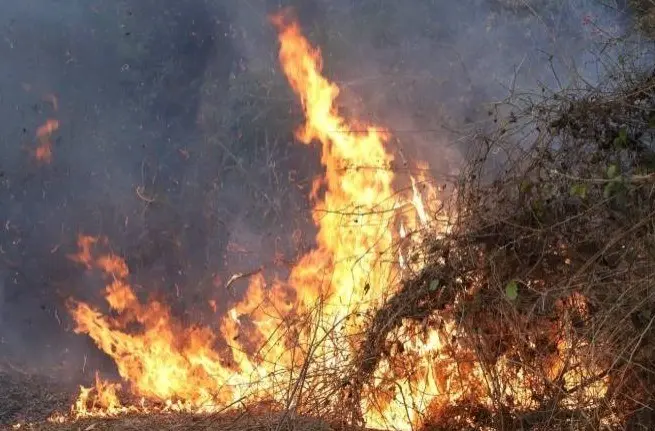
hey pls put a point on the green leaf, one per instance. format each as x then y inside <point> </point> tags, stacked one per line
<point>623,133</point>
<point>614,188</point>
<point>579,190</point>
<point>612,171</point>
<point>434,285</point>
<point>608,190</point>
<point>621,141</point>
<point>512,290</point>
<point>525,187</point>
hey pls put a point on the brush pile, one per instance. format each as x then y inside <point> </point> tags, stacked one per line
<point>547,274</point>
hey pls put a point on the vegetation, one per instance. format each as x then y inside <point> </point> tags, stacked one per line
<point>551,260</point>
<point>645,15</point>
<point>547,274</point>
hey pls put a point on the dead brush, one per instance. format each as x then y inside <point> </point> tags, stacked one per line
<point>547,275</point>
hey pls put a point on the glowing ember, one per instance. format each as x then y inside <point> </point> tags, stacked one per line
<point>43,152</point>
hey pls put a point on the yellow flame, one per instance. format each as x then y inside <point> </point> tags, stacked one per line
<point>284,336</point>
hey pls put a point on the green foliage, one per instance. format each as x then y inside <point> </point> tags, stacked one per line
<point>615,185</point>
<point>613,188</point>
<point>526,186</point>
<point>579,190</point>
<point>621,141</point>
<point>512,290</point>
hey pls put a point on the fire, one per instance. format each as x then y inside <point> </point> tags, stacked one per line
<point>43,152</point>
<point>307,321</point>
<point>356,213</point>
<point>286,342</point>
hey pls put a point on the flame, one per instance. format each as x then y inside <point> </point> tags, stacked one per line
<point>356,213</point>
<point>352,268</point>
<point>285,341</point>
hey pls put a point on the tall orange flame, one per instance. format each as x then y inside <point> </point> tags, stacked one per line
<point>350,270</point>
<point>356,214</point>
<point>284,342</point>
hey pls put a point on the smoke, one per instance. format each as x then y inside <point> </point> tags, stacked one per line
<point>176,132</point>
<point>127,160</point>
<point>434,72</point>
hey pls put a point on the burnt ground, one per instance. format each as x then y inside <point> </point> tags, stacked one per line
<point>27,401</point>
<point>30,398</point>
<point>187,422</point>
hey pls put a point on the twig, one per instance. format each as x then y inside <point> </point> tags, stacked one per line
<point>139,192</point>
<point>631,179</point>
<point>240,275</point>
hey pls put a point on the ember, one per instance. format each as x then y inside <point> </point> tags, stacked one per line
<point>43,152</point>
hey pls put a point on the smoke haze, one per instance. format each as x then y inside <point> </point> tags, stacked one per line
<point>175,136</point>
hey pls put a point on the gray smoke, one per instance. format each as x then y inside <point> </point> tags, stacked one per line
<point>176,132</point>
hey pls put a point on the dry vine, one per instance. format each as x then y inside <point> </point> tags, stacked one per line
<point>554,240</point>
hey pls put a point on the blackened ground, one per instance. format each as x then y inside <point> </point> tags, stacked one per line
<point>26,398</point>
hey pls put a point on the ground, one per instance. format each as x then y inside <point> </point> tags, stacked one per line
<point>26,398</point>
<point>27,401</point>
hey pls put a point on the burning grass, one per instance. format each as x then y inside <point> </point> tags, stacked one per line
<point>284,342</point>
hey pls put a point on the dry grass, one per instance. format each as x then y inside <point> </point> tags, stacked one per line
<point>556,206</point>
